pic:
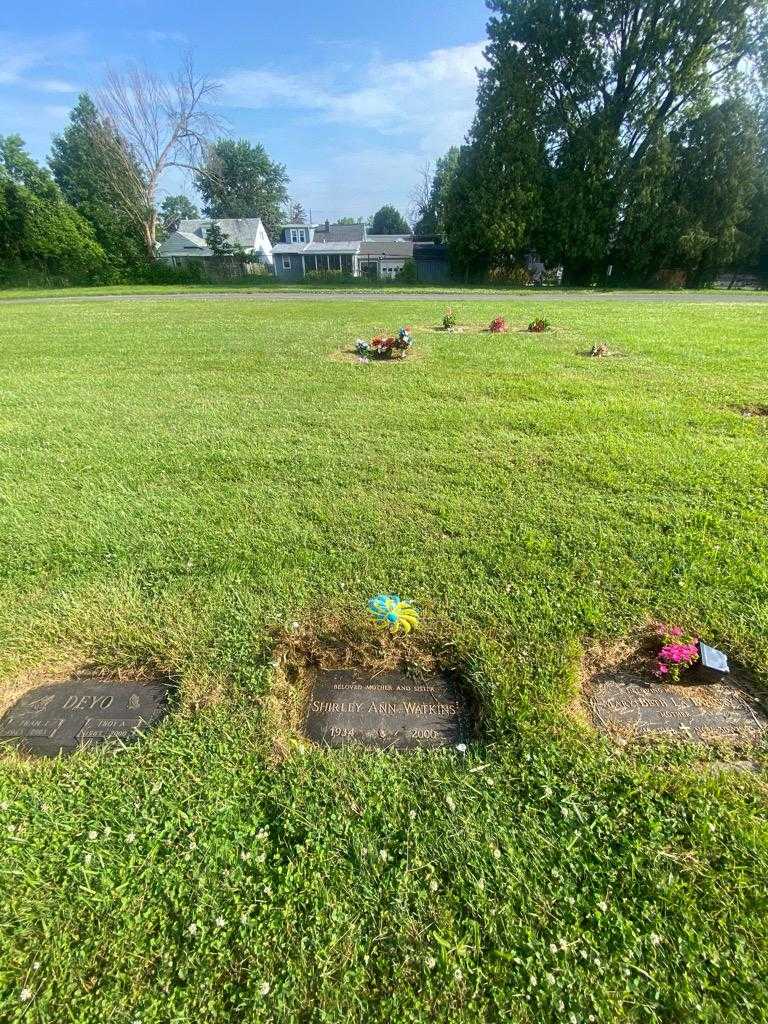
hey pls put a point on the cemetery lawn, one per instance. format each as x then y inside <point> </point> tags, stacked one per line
<point>181,483</point>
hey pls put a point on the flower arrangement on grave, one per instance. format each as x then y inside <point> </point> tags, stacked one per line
<point>539,325</point>
<point>390,612</point>
<point>450,320</point>
<point>381,347</point>
<point>678,652</point>
<point>599,350</point>
<point>498,325</point>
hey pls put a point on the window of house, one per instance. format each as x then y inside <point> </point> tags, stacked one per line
<point>298,235</point>
<point>286,262</point>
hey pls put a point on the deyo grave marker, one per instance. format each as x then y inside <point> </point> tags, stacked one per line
<point>63,717</point>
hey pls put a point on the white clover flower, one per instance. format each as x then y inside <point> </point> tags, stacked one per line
<point>550,979</point>
<point>93,834</point>
<point>489,781</point>
<point>562,943</point>
<point>220,922</point>
<point>430,963</point>
<point>264,988</point>
<point>384,855</point>
<point>11,829</point>
<point>450,804</point>
<point>552,947</point>
<point>548,791</point>
<point>496,853</point>
<point>412,815</point>
<point>88,858</point>
<point>192,929</point>
<point>655,939</point>
<point>461,747</point>
<point>533,981</point>
<point>564,811</point>
<point>603,906</point>
<point>4,805</point>
<point>560,1006</point>
<point>245,855</point>
<point>36,965</point>
<point>131,837</point>
<point>433,886</point>
<point>457,974</point>
<point>25,995</point>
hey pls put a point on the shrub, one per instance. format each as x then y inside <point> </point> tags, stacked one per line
<point>517,276</point>
<point>407,274</point>
<point>329,277</point>
<point>498,325</point>
<point>450,320</point>
<point>537,326</point>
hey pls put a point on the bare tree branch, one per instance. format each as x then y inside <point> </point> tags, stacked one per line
<point>147,125</point>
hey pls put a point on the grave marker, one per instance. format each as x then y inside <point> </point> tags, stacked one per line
<point>389,710</point>
<point>61,718</point>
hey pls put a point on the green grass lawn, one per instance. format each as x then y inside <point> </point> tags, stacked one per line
<point>255,284</point>
<point>272,284</point>
<point>180,483</point>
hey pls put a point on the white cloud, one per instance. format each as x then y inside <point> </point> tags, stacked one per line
<point>158,37</point>
<point>431,98</point>
<point>54,85</point>
<point>22,60</point>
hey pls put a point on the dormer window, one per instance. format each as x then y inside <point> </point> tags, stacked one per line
<point>298,235</point>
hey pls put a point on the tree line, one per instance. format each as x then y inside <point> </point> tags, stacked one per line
<point>615,138</point>
<point>92,214</point>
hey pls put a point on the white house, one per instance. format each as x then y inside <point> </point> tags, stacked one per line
<point>187,244</point>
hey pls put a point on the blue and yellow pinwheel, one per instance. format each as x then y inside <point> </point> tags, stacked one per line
<point>390,612</point>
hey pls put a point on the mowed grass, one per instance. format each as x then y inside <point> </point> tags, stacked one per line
<point>180,483</point>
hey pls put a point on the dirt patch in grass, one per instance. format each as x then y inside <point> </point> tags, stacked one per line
<point>349,355</point>
<point>748,411</point>
<point>351,645</point>
<point>600,351</point>
<point>621,697</point>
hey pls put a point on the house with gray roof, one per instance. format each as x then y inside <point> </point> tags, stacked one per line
<point>188,243</point>
<point>341,248</point>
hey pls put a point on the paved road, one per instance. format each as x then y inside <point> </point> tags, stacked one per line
<point>386,296</point>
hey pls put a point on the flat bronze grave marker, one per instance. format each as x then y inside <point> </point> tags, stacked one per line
<point>390,711</point>
<point>625,703</point>
<point>64,717</point>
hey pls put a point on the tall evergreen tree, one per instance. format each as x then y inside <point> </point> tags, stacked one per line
<point>691,205</point>
<point>78,166</point>
<point>574,98</point>
<point>238,179</point>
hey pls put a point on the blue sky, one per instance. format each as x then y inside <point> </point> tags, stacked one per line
<point>352,95</point>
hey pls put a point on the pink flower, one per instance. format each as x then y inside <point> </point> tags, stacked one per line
<point>662,670</point>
